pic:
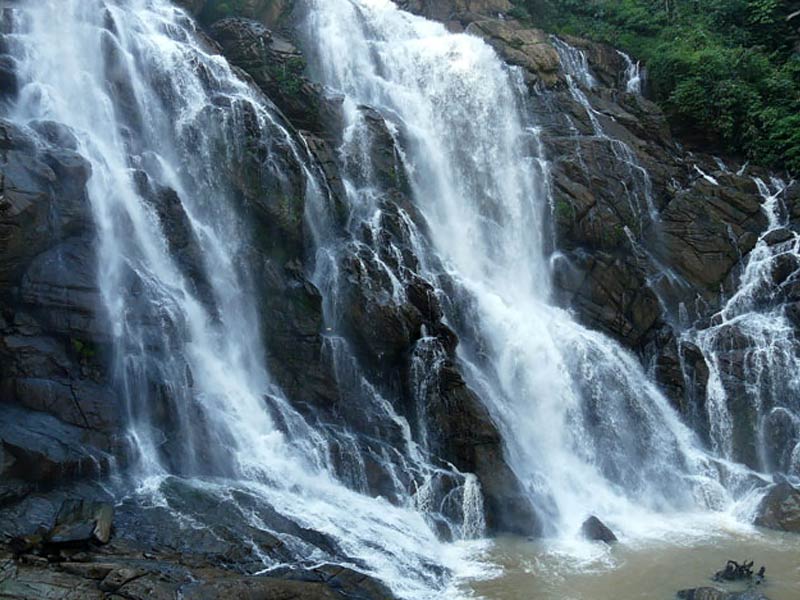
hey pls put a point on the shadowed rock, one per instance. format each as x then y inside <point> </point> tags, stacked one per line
<point>81,521</point>
<point>780,509</point>
<point>594,529</point>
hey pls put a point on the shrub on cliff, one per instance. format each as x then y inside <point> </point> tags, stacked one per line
<point>726,71</point>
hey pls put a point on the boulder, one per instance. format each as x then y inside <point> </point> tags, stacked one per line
<point>594,529</point>
<point>780,508</point>
<point>82,521</point>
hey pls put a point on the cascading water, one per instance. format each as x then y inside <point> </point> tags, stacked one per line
<point>753,415</point>
<point>170,132</point>
<point>585,431</point>
<point>639,191</point>
<point>633,75</point>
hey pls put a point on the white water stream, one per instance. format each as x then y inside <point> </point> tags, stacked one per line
<point>585,430</point>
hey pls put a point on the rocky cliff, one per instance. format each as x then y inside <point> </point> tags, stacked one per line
<point>649,242</point>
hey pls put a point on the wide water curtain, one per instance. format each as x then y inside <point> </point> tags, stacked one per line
<point>152,111</point>
<point>180,149</point>
<point>583,427</point>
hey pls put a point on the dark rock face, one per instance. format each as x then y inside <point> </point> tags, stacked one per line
<point>277,67</point>
<point>780,509</point>
<point>709,227</point>
<point>59,418</point>
<point>594,529</point>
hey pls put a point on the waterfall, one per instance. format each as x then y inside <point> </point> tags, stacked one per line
<point>753,415</point>
<point>633,74</point>
<point>580,79</point>
<point>584,428</point>
<point>171,134</point>
<point>176,140</point>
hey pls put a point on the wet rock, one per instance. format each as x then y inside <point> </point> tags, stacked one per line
<point>708,593</point>
<point>609,293</point>
<point>347,582</point>
<point>466,435</point>
<point>780,509</point>
<point>385,164</point>
<point>781,437</point>
<point>278,68</point>
<point>60,286</point>
<point>87,570</point>
<point>120,572</point>
<point>119,577</point>
<point>521,46</point>
<point>256,588</point>
<point>35,179</point>
<point>594,529</point>
<point>606,63</point>
<point>778,236</point>
<point>82,521</point>
<point>39,448</point>
<point>183,244</point>
<point>8,76</point>
<point>707,229</point>
<point>734,571</point>
<point>24,582</point>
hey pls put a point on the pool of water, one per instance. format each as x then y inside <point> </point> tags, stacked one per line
<point>635,569</point>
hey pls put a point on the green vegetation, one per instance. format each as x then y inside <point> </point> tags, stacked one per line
<point>289,75</point>
<point>564,210</point>
<point>219,9</point>
<point>86,351</point>
<point>725,70</point>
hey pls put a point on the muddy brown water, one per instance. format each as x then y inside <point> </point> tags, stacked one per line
<point>650,570</point>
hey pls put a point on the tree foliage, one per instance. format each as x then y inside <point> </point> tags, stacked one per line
<point>728,70</point>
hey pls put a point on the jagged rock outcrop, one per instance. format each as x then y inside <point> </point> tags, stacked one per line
<point>58,416</point>
<point>780,508</point>
<point>278,68</point>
